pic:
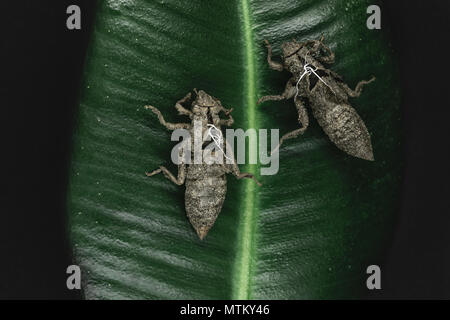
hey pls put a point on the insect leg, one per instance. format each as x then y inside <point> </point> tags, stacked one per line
<point>302,118</point>
<point>357,92</point>
<point>240,175</point>
<point>235,169</point>
<point>272,64</point>
<point>168,125</point>
<point>288,93</point>
<point>325,59</point>
<point>227,122</point>
<point>226,111</point>
<point>181,110</point>
<point>181,174</point>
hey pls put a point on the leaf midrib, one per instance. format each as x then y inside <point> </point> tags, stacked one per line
<point>245,253</point>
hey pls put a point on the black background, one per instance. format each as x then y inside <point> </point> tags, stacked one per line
<point>42,65</point>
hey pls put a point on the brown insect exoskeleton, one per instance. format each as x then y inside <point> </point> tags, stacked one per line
<point>206,184</point>
<point>326,94</point>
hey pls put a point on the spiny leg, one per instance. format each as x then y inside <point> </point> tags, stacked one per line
<point>289,135</point>
<point>357,92</point>
<point>303,119</point>
<point>272,64</point>
<point>235,168</point>
<point>227,122</point>
<point>178,181</point>
<point>226,111</point>
<point>181,110</point>
<point>289,92</point>
<point>240,175</point>
<point>325,59</point>
<point>168,125</point>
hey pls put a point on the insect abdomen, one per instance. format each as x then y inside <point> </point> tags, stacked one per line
<point>346,130</point>
<point>206,187</point>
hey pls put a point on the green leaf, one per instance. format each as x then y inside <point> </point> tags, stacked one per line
<point>309,232</point>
